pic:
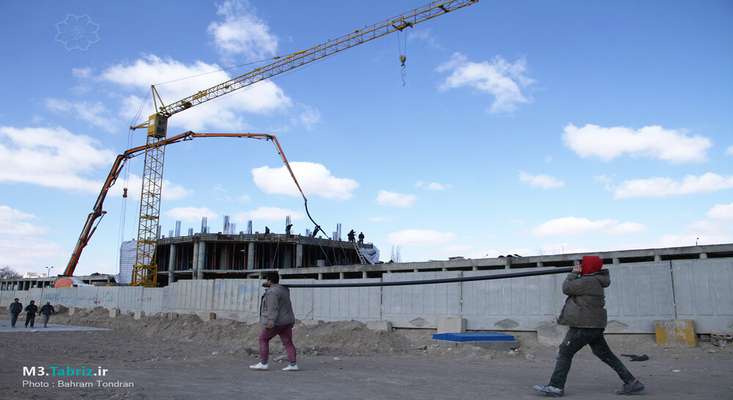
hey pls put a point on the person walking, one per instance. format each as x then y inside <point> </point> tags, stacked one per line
<point>351,235</point>
<point>277,319</point>
<point>46,311</point>
<point>584,312</point>
<point>16,307</point>
<point>30,313</point>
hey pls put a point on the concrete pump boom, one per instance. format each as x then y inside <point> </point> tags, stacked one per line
<point>94,217</point>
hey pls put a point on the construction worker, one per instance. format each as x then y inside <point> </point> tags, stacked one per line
<point>277,319</point>
<point>584,312</point>
<point>351,235</point>
<point>15,309</point>
<point>46,311</point>
<point>361,237</point>
<point>30,313</point>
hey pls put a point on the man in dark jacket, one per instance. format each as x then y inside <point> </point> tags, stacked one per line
<point>277,319</point>
<point>46,311</point>
<point>30,313</point>
<point>16,307</point>
<point>584,312</point>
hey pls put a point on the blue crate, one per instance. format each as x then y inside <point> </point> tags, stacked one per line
<point>474,337</point>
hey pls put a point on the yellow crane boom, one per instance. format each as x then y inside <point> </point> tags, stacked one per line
<point>145,270</point>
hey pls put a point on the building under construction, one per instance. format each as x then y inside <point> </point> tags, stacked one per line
<point>227,255</point>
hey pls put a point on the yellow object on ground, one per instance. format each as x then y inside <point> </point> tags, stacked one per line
<point>675,333</point>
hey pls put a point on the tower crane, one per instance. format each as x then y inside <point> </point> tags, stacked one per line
<point>145,269</point>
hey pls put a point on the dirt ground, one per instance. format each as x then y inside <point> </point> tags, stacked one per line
<point>187,358</point>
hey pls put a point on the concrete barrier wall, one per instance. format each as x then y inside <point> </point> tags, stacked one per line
<point>704,292</point>
<point>420,306</point>
<point>701,290</point>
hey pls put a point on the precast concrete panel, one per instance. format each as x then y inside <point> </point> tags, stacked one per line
<point>511,304</point>
<point>86,296</point>
<point>236,295</point>
<point>195,295</point>
<point>639,294</point>
<point>107,297</point>
<point>302,299</point>
<point>704,293</point>
<point>152,300</point>
<point>420,306</point>
<point>130,298</point>
<point>344,304</point>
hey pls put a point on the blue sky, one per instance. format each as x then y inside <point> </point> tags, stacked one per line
<point>523,127</point>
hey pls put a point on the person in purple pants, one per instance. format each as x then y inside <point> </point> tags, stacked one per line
<point>277,319</point>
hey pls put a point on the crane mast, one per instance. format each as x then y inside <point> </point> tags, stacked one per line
<point>144,269</point>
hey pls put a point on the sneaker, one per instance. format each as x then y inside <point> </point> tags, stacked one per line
<point>548,390</point>
<point>630,388</point>
<point>291,367</point>
<point>259,367</point>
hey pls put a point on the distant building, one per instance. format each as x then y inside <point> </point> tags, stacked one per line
<point>32,275</point>
<point>127,260</point>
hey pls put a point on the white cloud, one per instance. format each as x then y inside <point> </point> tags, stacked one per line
<point>714,229</point>
<point>51,157</point>
<point>16,222</point>
<point>309,117</point>
<point>540,181</point>
<point>729,151</point>
<point>420,237</point>
<point>721,211</point>
<point>649,141</point>
<point>315,179</point>
<point>575,225</point>
<point>499,78</point>
<point>191,214</point>
<point>268,214</point>
<point>702,232</point>
<point>378,219</point>
<point>241,32</point>
<point>57,158</point>
<point>81,72</point>
<point>22,245</point>
<point>223,113</point>
<point>393,199</point>
<point>435,186</point>
<point>561,248</point>
<point>425,36</point>
<point>93,113</point>
<point>664,187</point>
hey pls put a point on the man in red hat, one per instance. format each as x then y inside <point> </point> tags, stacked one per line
<point>584,312</point>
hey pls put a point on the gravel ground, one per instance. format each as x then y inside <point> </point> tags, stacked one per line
<point>192,359</point>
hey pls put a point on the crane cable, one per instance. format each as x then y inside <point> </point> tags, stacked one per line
<point>126,180</point>
<point>402,49</point>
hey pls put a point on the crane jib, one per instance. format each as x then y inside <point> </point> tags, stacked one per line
<point>315,53</point>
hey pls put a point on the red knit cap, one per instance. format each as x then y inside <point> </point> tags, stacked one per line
<point>590,265</point>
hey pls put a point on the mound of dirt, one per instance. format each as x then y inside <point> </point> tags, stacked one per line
<point>344,338</point>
